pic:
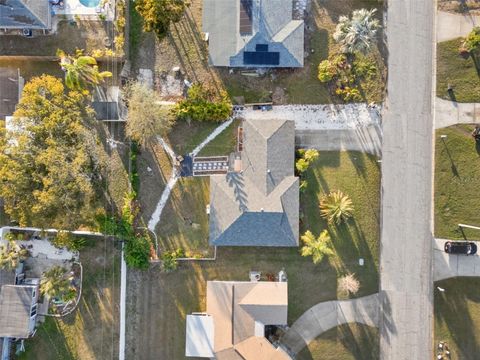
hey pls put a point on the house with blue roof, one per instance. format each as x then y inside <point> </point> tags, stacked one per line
<point>253,33</point>
<point>25,14</point>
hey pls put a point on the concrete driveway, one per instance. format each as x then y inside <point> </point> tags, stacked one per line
<point>451,26</point>
<point>446,266</point>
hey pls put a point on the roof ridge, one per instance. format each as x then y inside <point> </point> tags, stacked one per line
<point>24,3</point>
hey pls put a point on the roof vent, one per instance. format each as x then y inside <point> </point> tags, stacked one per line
<point>261,209</point>
<point>268,171</point>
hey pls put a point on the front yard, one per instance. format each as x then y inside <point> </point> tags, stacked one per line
<point>462,73</point>
<point>161,333</point>
<point>457,170</point>
<point>345,342</point>
<point>457,317</point>
<point>91,331</point>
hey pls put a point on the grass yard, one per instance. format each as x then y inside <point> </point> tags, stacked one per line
<point>345,342</point>
<point>184,47</point>
<point>161,333</point>
<point>357,175</point>
<point>225,143</point>
<point>457,170</point>
<point>184,136</point>
<point>462,73</point>
<point>91,331</point>
<point>457,317</point>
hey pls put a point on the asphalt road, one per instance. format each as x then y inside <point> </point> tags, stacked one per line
<point>406,282</point>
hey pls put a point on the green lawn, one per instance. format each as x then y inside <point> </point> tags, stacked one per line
<point>457,174</point>
<point>224,143</point>
<point>91,331</point>
<point>457,71</point>
<point>357,175</point>
<point>345,342</point>
<point>179,293</point>
<point>184,136</point>
<point>457,317</point>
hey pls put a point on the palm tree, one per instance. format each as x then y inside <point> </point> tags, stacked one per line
<point>81,71</point>
<point>55,283</point>
<point>11,255</point>
<point>336,207</point>
<point>318,247</point>
<point>357,33</point>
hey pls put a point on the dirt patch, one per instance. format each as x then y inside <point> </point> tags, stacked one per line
<point>472,7</point>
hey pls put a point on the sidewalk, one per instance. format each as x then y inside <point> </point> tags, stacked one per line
<point>449,113</point>
<point>327,315</point>
<point>451,26</point>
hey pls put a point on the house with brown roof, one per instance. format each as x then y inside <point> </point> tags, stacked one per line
<point>236,321</point>
<point>257,204</point>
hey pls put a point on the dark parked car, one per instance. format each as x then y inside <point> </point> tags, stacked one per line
<point>460,247</point>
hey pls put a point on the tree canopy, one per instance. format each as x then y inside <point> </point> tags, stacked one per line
<point>47,171</point>
<point>147,117</point>
<point>158,14</point>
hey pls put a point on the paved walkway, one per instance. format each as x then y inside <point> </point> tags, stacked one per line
<point>447,266</point>
<point>367,139</point>
<point>449,113</point>
<point>327,315</point>
<point>406,279</point>
<point>451,26</point>
<point>321,117</point>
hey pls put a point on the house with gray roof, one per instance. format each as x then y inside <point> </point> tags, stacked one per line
<point>258,203</point>
<point>11,86</point>
<point>25,14</point>
<point>18,311</point>
<point>253,33</point>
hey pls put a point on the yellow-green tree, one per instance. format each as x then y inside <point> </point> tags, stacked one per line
<point>47,161</point>
<point>336,207</point>
<point>316,247</point>
<point>159,14</point>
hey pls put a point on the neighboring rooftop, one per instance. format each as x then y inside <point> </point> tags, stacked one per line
<point>258,206</point>
<point>240,312</point>
<point>11,84</point>
<point>248,33</point>
<point>25,14</point>
<point>15,306</point>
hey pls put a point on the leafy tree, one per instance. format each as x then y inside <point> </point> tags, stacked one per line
<point>202,104</point>
<point>12,255</point>
<point>472,41</point>
<point>147,117</point>
<point>48,164</point>
<point>316,247</point>
<point>56,282</point>
<point>81,71</point>
<point>357,33</point>
<point>311,155</point>
<point>336,207</point>
<point>158,14</point>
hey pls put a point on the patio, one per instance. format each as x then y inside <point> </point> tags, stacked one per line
<point>85,8</point>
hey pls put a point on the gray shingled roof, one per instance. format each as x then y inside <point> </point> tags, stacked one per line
<point>20,14</point>
<point>15,305</point>
<point>259,207</point>
<point>272,25</point>
<point>9,91</point>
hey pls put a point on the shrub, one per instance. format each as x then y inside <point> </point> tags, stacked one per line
<point>349,284</point>
<point>301,165</point>
<point>472,41</point>
<point>65,239</point>
<point>326,71</point>
<point>348,93</point>
<point>137,251</point>
<point>202,105</point>
<point>364,67</point>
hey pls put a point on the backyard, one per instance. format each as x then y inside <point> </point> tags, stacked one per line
<point>161,333</point>
<point>345,342</point>
<point>91,331</point>
<point>457,317</point>
<point>184,47</point>
<point>460,72</point>
<point>457,170</point>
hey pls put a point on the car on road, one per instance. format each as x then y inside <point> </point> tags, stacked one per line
<point>460,247</point>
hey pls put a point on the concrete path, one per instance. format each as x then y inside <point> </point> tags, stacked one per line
<point>451,26</point>
<point>367,139</point>
<point>447,266</point>
<point>327,315</point>
<point>406,281</point>
<point>321,117</point>
<point>449,113</point>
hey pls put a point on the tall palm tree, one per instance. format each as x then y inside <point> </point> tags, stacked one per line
<point>336,207</point>
<point>81,71</point>
<point>11,255</point>
<point>357,33</point>
<point>318,247</point>
<point>55,282</point>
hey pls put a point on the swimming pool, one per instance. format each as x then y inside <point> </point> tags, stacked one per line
<point>90,3</point>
